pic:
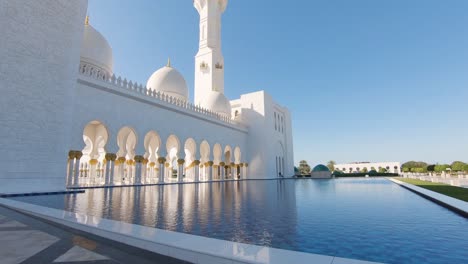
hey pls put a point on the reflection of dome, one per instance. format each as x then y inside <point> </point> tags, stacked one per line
<point>169,81</point>
<point>320,167</point>
<point>217,102</point>
<point>96,52</point>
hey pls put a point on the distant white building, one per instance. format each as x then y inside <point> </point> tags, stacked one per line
<point>390,167</point>
<point>61,101</point>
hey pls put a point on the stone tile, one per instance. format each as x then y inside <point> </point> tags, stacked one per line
<point>12,224</point>
<point>17,246</point>
<point>76,254</point>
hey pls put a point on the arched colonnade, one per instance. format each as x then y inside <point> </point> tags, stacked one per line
<point>168,161</point>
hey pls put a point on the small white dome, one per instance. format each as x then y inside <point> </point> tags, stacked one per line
<point>169,81</point>
<point>96,51</point>
<point>217,102</point>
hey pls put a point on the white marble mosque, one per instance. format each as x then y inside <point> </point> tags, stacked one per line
<point>62,96</point>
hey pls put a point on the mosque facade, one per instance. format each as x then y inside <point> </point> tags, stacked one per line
<point>75,123</point>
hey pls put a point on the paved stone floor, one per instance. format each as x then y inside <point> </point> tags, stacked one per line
<point>25,239</point>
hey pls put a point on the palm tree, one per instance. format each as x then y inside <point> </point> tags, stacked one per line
<point>331,165</point>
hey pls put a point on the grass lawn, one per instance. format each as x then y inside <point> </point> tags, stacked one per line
<point>452,191</point>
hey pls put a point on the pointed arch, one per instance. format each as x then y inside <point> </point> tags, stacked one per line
<point>126,140</point>
<point>237,155</point>
<point>152,144</point>
<point>205,151</point>
<point>217,152</point>
<point>95,137</point>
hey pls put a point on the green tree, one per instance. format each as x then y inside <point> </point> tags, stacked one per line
<point>458,166</point>
<point>430,168</point>
<point>413,165</point>
<point>382,170</point>
<point>441,167</point>
<point>364,170</point>
<point>304,168</point>
<point>331,165</point>
<point>465,168</point>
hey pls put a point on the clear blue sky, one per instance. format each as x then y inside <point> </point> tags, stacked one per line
<point>365,80</point>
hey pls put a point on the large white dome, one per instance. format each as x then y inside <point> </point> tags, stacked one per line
<point>169,81</point>
<point>96,51</point>
<point>217,102</point>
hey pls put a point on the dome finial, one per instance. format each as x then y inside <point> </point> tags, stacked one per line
<point>168,63</point>
<point>86,20</point>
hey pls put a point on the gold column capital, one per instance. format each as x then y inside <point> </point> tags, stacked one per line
<point>196,162</point>
<point>93,162</point>
<point>71,154</point>
<point>78,154</point>
<point>138,158</point>
<point>111,156</point>
<point>222,164</point>
<point>210,163</point>
<point>161,160</point>
<point>180,161</point>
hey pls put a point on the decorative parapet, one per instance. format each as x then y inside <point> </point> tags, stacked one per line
<point>123,84</point>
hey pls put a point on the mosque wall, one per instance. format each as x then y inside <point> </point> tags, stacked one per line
<point>269,144</point>
<point>40,46</point>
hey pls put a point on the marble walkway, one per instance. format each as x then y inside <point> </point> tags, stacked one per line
<point>27,240</point>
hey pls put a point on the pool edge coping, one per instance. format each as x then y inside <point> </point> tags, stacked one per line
<point>458,206</point>
<point>174,244</point>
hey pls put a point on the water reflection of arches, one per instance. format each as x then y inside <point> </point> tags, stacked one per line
<point>161,161</point>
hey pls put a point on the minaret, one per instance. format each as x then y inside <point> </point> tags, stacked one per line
<point>209,61</point>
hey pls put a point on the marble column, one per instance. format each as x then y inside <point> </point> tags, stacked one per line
<point>232,170</point>
<point>223,170</point>
<point>152,173</point>
<point>76,176</point>
<point>138,169</point>
<point>196,168</point>
<point>210,170</point>
<point>180,170</point>
<point>162,162</point>
<point>144,171</point>
<point>110,163</point>
<point>70,166</point>
<point>92,172</point>
<point>241,171</point>
<point>122,161</point>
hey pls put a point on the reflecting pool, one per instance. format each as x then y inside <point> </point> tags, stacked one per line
<point>368,219</point>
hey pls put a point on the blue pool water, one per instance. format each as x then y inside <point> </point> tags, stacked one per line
<point>368,219</point>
